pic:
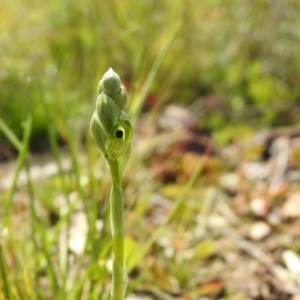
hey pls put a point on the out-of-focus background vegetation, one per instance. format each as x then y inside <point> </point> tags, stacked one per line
<point>235,63</point>
<point>247,54</point>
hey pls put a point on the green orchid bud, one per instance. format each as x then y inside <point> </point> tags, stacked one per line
<point>110,84</point>
<point>110,126</point>
<point>121,98</point>
<point>107,112</point>
<point>98,133</point>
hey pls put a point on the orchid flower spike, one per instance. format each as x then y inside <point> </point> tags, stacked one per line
<point>112,132</point>
<point>110,127</point>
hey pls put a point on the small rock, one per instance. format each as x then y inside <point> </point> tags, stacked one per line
<point>274,217</point>
<point>78,233</point>
<point>217,222</point>
<point>259,230</point>
<point>230,182</point>
<point>259,207</point>
<point>256,170</point>
<point>292,261</point>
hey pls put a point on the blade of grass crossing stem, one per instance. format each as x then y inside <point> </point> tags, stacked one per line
<point>63,247</point>
<point>140,98</point>
<point>64,221</point>
<point>46,252</point>
<point>40,231</point>
<point>33,219</point>
<point>20,162</point>
<point>64,232</point>
<point>79,286</point>
<point>10,135</point>
<point>88,274</point>
<point>24,282</point>
<point>5,286</point>
<point>81,194</point>
<point>77,170</point>
<point>145,248</point>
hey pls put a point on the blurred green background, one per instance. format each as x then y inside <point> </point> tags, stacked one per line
<point>53,53</point>
<point>239,61</point>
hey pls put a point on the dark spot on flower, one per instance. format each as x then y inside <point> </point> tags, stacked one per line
<point>119,134</point>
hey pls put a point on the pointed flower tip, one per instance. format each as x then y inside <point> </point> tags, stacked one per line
<point>110,83</point>
<point>111,73</point>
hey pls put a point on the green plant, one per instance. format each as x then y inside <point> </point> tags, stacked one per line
<point>112,132</point>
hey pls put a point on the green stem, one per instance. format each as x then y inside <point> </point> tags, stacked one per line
<point>119,277</point>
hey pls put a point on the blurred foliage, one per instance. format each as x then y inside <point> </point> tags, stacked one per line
<point>53,53</point>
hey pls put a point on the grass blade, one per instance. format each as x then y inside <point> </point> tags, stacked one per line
<point>144,249</point>
<point>6,289</point>
<point>10,135</point>
<point>20,162</point>
<point>139,99</point>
